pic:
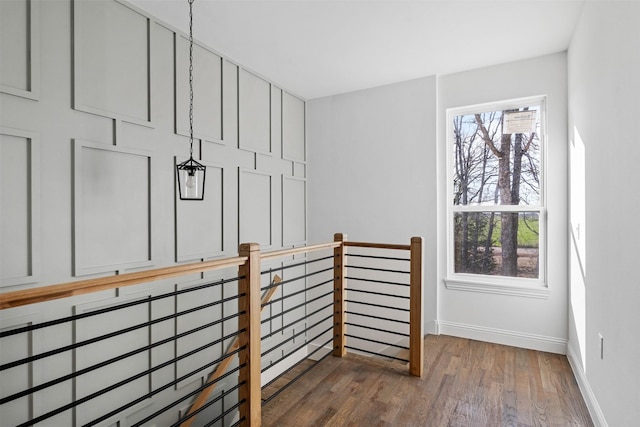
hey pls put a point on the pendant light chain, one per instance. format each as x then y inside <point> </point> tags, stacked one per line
<point>191,77</point>
<point>190,173</point>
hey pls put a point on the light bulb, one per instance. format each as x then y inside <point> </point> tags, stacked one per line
<point>191,181</point>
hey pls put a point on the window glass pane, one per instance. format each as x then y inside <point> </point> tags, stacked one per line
<point>496,157</point>
<point>497,243</point>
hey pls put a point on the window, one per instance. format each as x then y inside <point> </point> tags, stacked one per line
<point>495,192</point>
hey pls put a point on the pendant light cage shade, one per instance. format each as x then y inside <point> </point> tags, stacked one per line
<point>191,176</point>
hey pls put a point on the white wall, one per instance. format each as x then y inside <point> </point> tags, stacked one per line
<point>604,89</point>
<point>538,322</point>
<point>372,169</point>
<point>376,169</point>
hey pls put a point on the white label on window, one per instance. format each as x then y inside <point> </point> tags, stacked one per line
<point>519,121</point>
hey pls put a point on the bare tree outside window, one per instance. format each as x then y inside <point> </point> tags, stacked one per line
<point>497,200</point>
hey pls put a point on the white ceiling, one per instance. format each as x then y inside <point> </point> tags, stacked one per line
<point>316,48</point>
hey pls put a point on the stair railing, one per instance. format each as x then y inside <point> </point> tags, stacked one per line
<point>245,341</point>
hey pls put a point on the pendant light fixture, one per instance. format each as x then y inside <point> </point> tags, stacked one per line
<point>191,174</point>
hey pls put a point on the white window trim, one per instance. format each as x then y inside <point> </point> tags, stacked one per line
<point>503,285</point>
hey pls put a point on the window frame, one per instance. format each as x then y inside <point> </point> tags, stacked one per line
<point>532,287</point>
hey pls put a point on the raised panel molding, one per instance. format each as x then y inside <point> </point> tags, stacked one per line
<point>299,170</point>
<point>276,121</point>
<point>20,48</point>
<point>23,377</point>
<point>112,205</point>
<point>105,350</point>
<point>294,197</point>
<point>193,349</point>
<point>230,103</point>
<point>255,207</point>
<point>293,128</point>
<point>213,406</point>
<point>111,60</point>
<point>207,89</point>
<point>200,225</point>
<point>254,116</point>
<point>20,243</point>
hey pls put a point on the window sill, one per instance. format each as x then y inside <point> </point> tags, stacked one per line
<point>528,291</point>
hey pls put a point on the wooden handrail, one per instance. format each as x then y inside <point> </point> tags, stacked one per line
<point>378,245</point>
<point>80,287</point>
<point>293,251</point>
<point>64,290</point>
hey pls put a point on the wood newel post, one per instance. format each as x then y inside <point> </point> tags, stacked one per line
<point>339,295</point>
<point>249,306</point>
<point>416,337</point>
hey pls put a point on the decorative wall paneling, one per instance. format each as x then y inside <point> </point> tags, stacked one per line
<point>294,196</point>
<point>21,377</point>
<point>200,226</point>
<point>112,208</point>
<point>212,411</point>
<point>295,297</point>
<point>94,99</point>
<point>20,46</point>
<point>293,128</point>
<point>276,122</point>
<point>255,207</point>
<point>287,296</point>
<point>111,57</point>
<point>20,239</point>
<point>299,170</point>
<point>207,91</point>
<point>230,103</point>
<point>199,341</point>
<point>121,71</point>
<point>163,82</point>
<point>87,356</point>
<point>193,341</point>
<point>254,113</point>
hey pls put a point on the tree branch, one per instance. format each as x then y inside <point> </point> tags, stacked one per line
<point>487,139</point>
<point>526,147</point>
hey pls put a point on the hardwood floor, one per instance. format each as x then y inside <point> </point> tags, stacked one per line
<point>466,383</point>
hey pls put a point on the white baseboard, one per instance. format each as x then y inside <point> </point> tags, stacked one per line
<point>585,388</point>
<point>502,336</point>
<point>431,328</point>
<point>277,369</point>
<point>320,354</point>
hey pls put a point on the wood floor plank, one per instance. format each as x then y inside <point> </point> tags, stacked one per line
<point>465,383</point>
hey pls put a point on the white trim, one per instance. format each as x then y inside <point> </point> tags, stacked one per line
<point>292,243</point>
<point>34,223</point>
<point>280,367</point>
<point>79,253</point>
<point>431,328</point>
<point>597,416</point>
<point>32,91</point>
<point>508,104</point>
<point>498,208</point>
<point>528,291</point>
<point>487,283</point>
<point>311,347</point>
<point>505,337</point>
<point>77,74</point>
